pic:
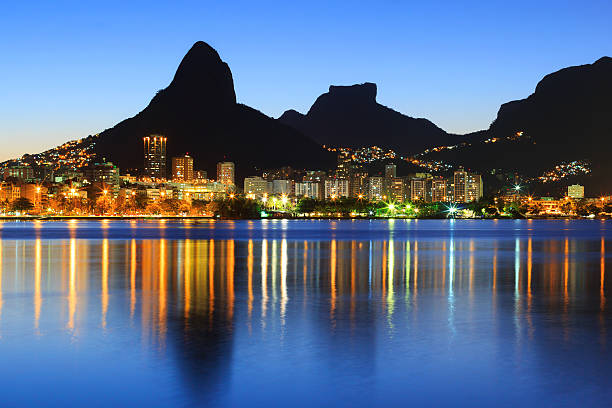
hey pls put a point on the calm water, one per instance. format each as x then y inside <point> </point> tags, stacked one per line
<point>305,313</point>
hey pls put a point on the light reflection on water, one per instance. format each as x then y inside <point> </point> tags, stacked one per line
<point>500,315</point>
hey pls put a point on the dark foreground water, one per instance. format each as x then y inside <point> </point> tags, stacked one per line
<point>306,313</point>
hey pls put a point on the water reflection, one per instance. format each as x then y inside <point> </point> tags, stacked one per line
<point>201,274</point>
<point>196,300</point>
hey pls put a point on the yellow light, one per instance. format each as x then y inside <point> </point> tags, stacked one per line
<point>105,192</point>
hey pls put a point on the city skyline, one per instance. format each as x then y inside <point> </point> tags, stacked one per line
<point>50,79</point>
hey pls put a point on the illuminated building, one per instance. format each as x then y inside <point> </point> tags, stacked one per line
<point>103,173</point>
<point>473,187</point>
<point>375,188</point>
<point>575,191</point>
<point>182,168</point>
<point>344,164</point>
<point>358,184</point>
<point>390,171</point>
<point>255,185</point>
<point>336,188</point>
<point>438,190</point>
<point>314,175</point>
<point>396,189</point>
<point>459,181</point>
<point>155,156</point>
<point>9,192</point>
<point>202,191</point>
<point>226,173</point>
<point>18,172</point>
<point>418,189</point>
<point>309,189</point>
<point>467,186</point>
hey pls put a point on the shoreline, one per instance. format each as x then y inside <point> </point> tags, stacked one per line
<point>170,217</point>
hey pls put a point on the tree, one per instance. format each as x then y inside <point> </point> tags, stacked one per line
<point>238,207</point>
<point>22,205</point>
<point>141,201</point>
<point>198,207</point>
<point>170,206</point>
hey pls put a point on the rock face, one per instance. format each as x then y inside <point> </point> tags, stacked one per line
<point>349,116</point>
<point>198,114</point>
<point>568,117</point>
<point>570,112</point>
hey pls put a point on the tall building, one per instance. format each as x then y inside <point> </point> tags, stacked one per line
<point>358,184</point>
<point>226,173</point>
<point>336,188</point>
<point>155,156</point>
<point>575,191</point>
<point>473,187</point>
<point>438,190</point>
<point>467,186</point>
<point>460,182</point>
<point>344,164</point>
<point>375,188</point>
<point>182,168</point>
<point>418,189</point>
<point>396,189</point>
<point>390,170</point>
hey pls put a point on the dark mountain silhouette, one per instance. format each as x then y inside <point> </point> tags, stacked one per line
<point>198,114</point>
<point>349,116</point>
<point>568,117</point>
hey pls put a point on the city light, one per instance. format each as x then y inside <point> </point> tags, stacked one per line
<point>452,210</point>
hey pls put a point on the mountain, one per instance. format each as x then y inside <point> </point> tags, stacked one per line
<point>198,114</point>
<point>570,111</point>
<point>349,116</point>
<point>568,117</point>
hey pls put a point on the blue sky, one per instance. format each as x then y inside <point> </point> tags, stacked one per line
<point>70,69</point>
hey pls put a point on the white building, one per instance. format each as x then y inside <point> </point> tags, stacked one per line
<point>336,188</point>
<point>309,189</point>
<point>255,185</point>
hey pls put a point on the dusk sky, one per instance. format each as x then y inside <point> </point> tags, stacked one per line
<point>70,69</point>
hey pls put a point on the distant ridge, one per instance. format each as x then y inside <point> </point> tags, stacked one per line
<point>350,116</point>
<point>198,113</point>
